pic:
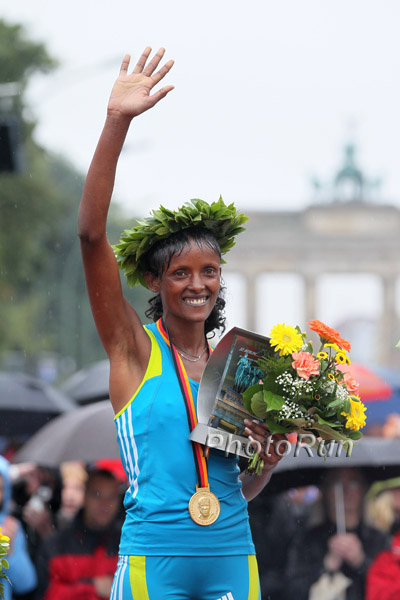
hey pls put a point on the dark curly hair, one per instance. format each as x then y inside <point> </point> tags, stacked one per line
<point>158,259</point>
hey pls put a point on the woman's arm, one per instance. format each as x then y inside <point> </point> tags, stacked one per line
<point>117,323</point>
<point>252,485</point>
<point>101,270</point>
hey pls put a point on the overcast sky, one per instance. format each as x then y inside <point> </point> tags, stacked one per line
<point>267,93</point>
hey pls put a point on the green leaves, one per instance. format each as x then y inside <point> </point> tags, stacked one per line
<point>258,406</point>
<point>260,401</point>
<point>249,393</point>
<point>273,401</point>
<point>328,433</point>
<point>275,427</point>
<point>335,403</point>
<point>222,220</point>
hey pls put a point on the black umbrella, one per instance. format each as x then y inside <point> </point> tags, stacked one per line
<point>87,434</point>
<point>89,384</point>
<point>377,458</point>
<point>26,404</point>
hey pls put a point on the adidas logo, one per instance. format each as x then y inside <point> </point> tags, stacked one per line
<point>227,596</point>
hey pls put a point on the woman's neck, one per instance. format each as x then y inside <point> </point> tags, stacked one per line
<point>187,336</point>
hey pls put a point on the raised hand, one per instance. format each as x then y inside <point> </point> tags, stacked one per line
<point>130,95</point>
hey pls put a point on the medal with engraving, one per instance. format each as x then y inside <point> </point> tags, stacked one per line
<point>204,506</point>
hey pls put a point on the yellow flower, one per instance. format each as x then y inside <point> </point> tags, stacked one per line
<point>323,355</point>
<point>342,358</point>
<point>356,418</point>
<point>4,538</point>
<point>334,346</point>
<point>286,339</point>
<point>331,377</point>
<point>317,397</point>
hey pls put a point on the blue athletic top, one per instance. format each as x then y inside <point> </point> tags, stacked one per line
<point>152,433</point>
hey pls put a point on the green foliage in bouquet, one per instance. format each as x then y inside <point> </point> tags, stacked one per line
<point>4,547</point>
<point>304,392</point>
<point>222,220</point>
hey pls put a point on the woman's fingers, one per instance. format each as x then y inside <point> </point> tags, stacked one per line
<point>142,60</point>
<point>265,448</point>
<point>153,64</point>
<point>163,71</point>
<point>148,70</point>
<point>154,98</point>
<point>262,440</point>
<point>125,64</point>
<point>257,426</point>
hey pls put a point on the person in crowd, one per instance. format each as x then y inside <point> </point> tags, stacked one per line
<point>391,427</point>
<point>383,506</point>
<point>74,476</point>
<point>36,493</point>
<point>383,577</point>
<point>79,560</point>
<point>169,547</point>
<point>275,520</point>
<point>21,571</point>
<point>334,556</point>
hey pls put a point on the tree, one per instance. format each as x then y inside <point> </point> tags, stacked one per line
<point>43,302</point>
<point>29,200</point>
<point>19,59</point>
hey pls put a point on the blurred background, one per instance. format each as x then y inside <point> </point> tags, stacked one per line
<point>289,110</point>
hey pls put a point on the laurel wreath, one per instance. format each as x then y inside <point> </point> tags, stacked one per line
<point>222,220</point>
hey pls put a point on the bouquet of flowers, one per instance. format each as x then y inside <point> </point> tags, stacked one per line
<point>306,392</point>
<point>4,546</point>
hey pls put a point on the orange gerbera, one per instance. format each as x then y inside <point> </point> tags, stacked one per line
<point>327,334</point>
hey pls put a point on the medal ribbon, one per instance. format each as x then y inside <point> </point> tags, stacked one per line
<point>198,452</point>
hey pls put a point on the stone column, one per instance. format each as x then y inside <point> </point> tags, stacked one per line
<point>251,301</point>
<point>388,320</point>
<point>310,297</point>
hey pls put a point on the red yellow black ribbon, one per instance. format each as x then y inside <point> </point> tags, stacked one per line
<point>198,452</point>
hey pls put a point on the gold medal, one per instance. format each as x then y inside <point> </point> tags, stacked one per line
<point>204,506</point>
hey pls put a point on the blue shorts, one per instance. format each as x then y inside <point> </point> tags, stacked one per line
<point>186,578</point>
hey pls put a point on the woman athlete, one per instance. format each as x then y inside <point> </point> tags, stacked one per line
<point>168,549</point>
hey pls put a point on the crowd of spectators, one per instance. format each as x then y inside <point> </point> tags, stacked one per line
<point>64,527</point>
<point>65,524</point>
<point>337,542</point>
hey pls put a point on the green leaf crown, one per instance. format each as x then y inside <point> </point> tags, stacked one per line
<point>223,221</point>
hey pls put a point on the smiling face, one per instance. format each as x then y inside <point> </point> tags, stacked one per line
<point>189,287</point>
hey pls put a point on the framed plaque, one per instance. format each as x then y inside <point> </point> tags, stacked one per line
<point>230,370</point>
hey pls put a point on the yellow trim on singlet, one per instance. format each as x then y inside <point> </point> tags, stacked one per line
<point>254,581</point>
<point>137,577</point>
<point>154,368</point>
